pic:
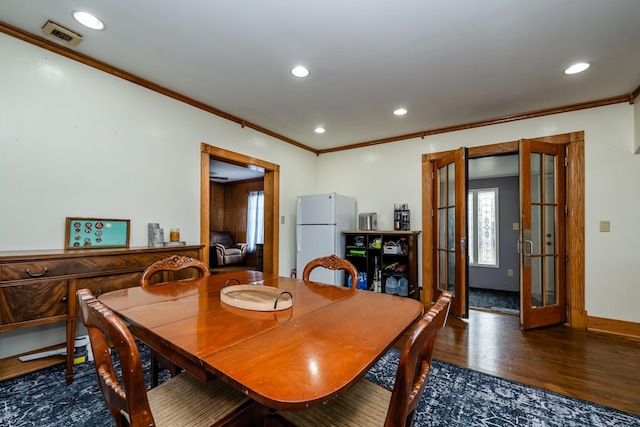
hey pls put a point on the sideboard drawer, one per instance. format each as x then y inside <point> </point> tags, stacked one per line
<point>32,301</point>
<point>83,266</point>
<point>35,269</point>
<point>99,285</point>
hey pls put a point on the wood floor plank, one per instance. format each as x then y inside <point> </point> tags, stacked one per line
<point>11,367</point>
<point>593,366</point>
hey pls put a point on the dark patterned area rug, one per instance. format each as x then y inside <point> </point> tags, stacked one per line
<point>459,397</point>
<point>41,399</point>
<point>454,397</point>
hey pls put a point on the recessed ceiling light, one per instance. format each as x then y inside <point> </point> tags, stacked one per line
<point>577,68</point>
<point>300,71</point>
<point>88,20</point>
<point>319,130</point>
<point>400,112</point>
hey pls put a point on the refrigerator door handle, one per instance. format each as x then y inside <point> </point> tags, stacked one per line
<point>298,238</point>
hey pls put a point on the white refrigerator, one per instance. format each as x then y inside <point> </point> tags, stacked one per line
<point>320,221</point>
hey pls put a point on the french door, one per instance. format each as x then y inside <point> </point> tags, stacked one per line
<point>450,229</point>
<point>542,237</point>
<point>541,243</point>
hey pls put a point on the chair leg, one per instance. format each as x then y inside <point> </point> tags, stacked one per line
<point>158,363</point>
<point>154,370</point>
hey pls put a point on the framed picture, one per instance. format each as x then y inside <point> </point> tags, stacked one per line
<point>87,233</point>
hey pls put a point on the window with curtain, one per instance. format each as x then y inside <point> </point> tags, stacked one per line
<point>483,223</point>
<point>255,220</point>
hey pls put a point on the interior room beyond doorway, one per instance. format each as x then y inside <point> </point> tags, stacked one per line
<point>494,276</point>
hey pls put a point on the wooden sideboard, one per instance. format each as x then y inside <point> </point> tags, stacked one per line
<point>39,287</point>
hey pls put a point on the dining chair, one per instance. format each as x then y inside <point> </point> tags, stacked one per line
<point>180,401</point>
<point>368,404</point>
<point>172,263</point>
<point>332,262</point>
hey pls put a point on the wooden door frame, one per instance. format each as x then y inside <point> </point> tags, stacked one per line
<point>271,247</point>
<point>575,189</point>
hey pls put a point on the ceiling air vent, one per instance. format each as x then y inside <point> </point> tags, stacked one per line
<point>61,33</point>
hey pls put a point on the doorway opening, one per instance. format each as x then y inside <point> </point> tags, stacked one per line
<point>493,219</point>
<point>271,185</point>
<point>236,217</point>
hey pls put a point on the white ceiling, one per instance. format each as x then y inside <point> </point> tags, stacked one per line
<point>448,62</point>
<point>223,172</point>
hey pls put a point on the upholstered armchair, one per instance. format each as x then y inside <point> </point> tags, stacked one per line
<point>223,250</point>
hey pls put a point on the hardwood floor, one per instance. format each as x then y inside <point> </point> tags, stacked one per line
<point>593,366</point>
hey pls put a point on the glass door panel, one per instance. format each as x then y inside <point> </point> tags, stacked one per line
<point>542,216</point>
<point>450,229</point>
<point>444,229</point>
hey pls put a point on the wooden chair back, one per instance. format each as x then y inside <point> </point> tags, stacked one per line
<point>127,400</point>
<point>174,263</point>
<point>332,262</point>
<point>415,364</point>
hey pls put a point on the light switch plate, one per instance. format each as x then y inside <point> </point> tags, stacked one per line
<point>605,226</point>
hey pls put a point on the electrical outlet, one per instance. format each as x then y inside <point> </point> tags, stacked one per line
<point>282,219</point>
<point>510,272</point>
<point>516,226</point>
<point>605,226</point>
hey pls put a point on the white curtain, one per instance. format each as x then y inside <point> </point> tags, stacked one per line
<point>255,220</point>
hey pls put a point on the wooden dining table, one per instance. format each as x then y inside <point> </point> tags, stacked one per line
<point>296,358</point>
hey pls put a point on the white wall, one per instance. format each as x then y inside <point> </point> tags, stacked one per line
<point>382,175</point>
<point>75,141</point>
